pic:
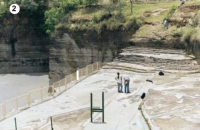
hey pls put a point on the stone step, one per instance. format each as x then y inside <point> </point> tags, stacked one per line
<point>160,62</point>
<point>143,69</point>
<point>151,59</point>
<point>153,50</point>
<point>165,66</point>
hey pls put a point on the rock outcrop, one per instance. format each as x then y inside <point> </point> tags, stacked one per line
<point>24,48</point>
<point>73,50</point>
<point>155,60</point>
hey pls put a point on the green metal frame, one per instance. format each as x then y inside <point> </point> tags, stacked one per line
<point>15,123</point>
<point>51,123</point>
<point>97,109</point>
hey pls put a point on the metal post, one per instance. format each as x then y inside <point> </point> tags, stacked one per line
<point>91,106</point>
<point>15,124</point>
<point>16,102</point>
<point>103,107</point>
<point>92,68</point>
<point>77,75</point>
<point>41,94</point>
<point>4,110</point>
<point>97,65</point>
<point>87,73</point>
<point>59,86</point>
<point>51,123</point>
<point>29,99</point>
<point>65,83</point>
<point>71,77</point>
<point>53,92</point>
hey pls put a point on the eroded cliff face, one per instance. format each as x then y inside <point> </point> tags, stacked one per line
<point>23,47</point>
<point>72,50</point>
<point>196,51</point>
<point>151,34</point>
<point>194,48</point>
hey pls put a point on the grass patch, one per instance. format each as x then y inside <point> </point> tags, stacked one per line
<point>171,11</point>
<point>138,11</point>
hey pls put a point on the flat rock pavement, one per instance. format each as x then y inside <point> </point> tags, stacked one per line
<point>71,110</point>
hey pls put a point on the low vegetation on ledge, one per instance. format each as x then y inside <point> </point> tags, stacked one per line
<point>121,15</point>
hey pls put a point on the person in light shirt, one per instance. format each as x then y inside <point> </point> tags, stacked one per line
<point>119,82</point>
<point>126,82</point>
<point>165,24</point>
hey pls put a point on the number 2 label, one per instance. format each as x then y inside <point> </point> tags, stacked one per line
<point>14,9</point>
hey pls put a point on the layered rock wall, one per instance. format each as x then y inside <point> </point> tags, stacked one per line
<point>23,47</point>
<point>74,50</point>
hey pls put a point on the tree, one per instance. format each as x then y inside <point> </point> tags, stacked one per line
<point>25,4</point>
<point>119,7</point>
<point>52,18</point>
<point>110,8</point>
<point>131,2</point>
<point>56,13</point>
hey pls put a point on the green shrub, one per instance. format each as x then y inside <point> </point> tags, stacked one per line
<point>196,36</point>
<point>95,19</point>
<point>196,20</point>
<point>56,13</point>
<point>120,17</point>
<point>176,34</point>
<point>133,23</point>
<point>188,33</point>
<point>104,16</point>
<point>171,11</point>
<point>90,2</point>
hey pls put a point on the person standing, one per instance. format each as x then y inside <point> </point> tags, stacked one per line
<point>165,24</point>
<point>126,82</point>
<point>119,82</point>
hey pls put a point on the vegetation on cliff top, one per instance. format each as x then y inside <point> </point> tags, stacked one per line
<point>79,16</point>
<point>83,15</point>
<point>191,33</point>
<point>59,11</point>
<point>24,4</point>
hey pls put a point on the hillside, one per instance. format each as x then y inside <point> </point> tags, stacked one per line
<point>119,16</point>
<point>183,32</point>
<point>63,36</point>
